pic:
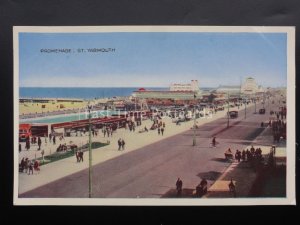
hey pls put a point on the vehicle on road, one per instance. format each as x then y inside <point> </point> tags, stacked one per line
<point>262,111</point>
<point>233,114</point>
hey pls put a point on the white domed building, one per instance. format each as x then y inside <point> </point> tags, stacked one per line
<point>249,87</point>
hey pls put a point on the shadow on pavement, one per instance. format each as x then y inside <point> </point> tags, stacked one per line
<point>244,142</point>
<point>186,193</point>
<point>223,160</point>
<point>211,175</point>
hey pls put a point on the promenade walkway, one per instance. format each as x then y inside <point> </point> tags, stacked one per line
<point>134,140</point>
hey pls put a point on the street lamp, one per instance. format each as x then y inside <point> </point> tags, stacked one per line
<point>264,99</point>
<point>194,135</point>
<point>245,102</point>
<point>227,109</point>
<point>90,152</point>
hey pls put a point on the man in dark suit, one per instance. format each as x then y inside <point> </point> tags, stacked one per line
<point>179,186</point>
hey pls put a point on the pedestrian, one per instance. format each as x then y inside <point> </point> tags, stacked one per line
<point>30,167</point>
<point>164,125</point>
<point>244,155</point>
<point>26,164</point>
<point>104,132</point>
<point>77,156</point>
<point>179,187</point>
<point>232,187</point>
<point>20,147</point>
<point>50,137</point>
<point>119,144</point>
<point>201,189</point>
<point>22,165</point>
<point>162,131</point>
<point>158,131</point>
<point>36,166</point>
<point>237,155</point>
<point>39,143</point>
<point>27,145</point>
<point>81,156</point>
<point>123,144</point>
<point>54,140</point>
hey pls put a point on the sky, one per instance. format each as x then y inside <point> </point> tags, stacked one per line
<point>152,59</point>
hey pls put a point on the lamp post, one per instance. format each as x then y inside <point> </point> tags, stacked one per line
<point>228,110</point>
<point>194,135</point>
<point>264,99</point>
<point>90,153</point>
<point>245,102</point>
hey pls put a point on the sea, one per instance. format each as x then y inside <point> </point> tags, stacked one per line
<point>79,92</point>
<point>82,92</point>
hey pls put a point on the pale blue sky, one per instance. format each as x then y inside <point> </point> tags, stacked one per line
<point>152,59</point>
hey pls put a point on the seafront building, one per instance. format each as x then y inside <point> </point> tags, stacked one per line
<point>193,86</point>
<point>249,87</point>
<point>177,94</point>
<point>232,90</point>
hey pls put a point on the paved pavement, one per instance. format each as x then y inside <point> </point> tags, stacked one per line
<point>153,169</point>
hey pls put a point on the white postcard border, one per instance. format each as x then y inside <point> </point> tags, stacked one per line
<point>291,128</point>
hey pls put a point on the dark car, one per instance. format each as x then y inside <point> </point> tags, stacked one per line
<point>233,114</point>
<point>262,111</point>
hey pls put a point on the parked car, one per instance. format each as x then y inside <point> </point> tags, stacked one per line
<point>233,114</point>
<point>262,111</point>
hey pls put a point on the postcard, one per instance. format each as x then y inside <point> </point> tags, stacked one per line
<point>154,115</point>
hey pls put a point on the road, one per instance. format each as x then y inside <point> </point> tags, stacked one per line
<point>152,171</point>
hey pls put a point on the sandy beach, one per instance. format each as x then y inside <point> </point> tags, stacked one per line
<point>30,109</point>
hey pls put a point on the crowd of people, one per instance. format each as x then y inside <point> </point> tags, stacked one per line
<point>32,141</point>
<point>79,155</point>
<point>28,166</point>
<point>62,148</point>
<point>131,126</point>
<point>159,125</point>
<point>108,130</point>
<point>278,129</point>
<point>245,155</point>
